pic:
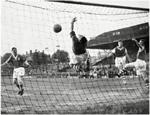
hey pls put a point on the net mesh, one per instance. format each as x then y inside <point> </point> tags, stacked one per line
<point>51,86</point>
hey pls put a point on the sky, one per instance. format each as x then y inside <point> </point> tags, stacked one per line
<point>29,28</point>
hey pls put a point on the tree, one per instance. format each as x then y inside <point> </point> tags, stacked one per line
<point>36,59</point>
<point>48,57</point>
<point>44,58</point>
<point>61,56</point>
<point>41,58</point>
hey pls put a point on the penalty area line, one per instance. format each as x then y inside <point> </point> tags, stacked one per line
<point>15,95</point>
<point>128,88</point>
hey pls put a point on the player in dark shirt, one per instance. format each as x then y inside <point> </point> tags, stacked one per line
<point>140,63</point>
<point>120,53</point>
<point>79,44</point>
<point>18,61</point>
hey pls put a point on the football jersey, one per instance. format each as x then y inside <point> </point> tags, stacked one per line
<point>141,53</point>
<point>17,60</point>
<point>78,48</point>
<point>119,52</point>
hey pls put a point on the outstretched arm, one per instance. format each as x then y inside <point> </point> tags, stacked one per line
<point>107,56</point>
<point>3,64</point>
<point>72,33</point>
<point>111,53</point>
<point>72,23</point>
<point>6,62</point>
<point>27,63</point>
<point>129,59</point>
<point>136,42</point>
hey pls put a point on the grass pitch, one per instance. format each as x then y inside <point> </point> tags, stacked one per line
<point>72,95</point>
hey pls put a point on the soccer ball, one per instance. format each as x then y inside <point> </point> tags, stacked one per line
<point>57,28</point>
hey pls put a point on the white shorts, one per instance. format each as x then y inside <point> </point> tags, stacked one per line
<point>18,73</point>
<point>95,75</point>
<point>139,64</point>
<point>120,62</point>
<point>78,59</point>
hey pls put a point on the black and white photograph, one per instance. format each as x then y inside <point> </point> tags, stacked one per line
<point>74,57</point>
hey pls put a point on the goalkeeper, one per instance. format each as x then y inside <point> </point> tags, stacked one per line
<point>79,44</point>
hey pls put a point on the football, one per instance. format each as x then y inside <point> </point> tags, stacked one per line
<point>57,28</point>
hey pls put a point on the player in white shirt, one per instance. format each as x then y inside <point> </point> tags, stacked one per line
<point>19,71</point>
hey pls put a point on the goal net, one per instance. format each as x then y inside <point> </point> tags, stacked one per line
<point>51,85</point>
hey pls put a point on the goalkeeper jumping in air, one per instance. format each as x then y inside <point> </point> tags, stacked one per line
<point>18,61</point>
<point>81,57</point>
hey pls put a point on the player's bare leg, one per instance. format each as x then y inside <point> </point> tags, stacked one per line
<point>145,78</point>
<point>85,68</point>
<point>126,66</point>
<point>121,74</point>
<point>81,66</point>
<point>15,81</point>
<point>21,85</point>
<point>81,71</point>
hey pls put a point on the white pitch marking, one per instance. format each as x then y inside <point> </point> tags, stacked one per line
<point>128,88</point>
<point>16,95</point>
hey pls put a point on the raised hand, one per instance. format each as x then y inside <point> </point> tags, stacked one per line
<point>133,39</point>
<point>74,19</point>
